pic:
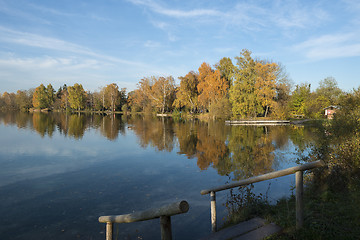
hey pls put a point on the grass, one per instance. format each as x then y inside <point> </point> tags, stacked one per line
<point>327,215</point>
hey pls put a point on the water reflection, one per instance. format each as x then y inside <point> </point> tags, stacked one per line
<point>242,151</point>
<point>80,166</point>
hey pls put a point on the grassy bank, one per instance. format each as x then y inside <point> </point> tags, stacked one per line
<point>327,214</point>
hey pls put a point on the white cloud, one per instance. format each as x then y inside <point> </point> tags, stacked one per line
<point>174,12</point>
<point>34,40</point>
<point>330,46</point>
<point>249,16</point>
<point>48,63</point>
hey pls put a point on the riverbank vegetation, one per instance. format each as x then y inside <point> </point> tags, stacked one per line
<point>332,195</point>
<point>249,88</point>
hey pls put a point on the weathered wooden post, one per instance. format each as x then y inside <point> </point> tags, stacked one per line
<point>165,224</point>
<point>213,211</point>
<point>299,199</point>
<point>163,213</point>
<point>109,230</point>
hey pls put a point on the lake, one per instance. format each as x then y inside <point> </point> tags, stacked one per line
<point>60,172</point>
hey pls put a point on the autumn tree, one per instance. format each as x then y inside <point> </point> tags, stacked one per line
<point>283,91</point>
<point>211,86</point>
<point>265,85</point>
<point>138,100</point>
<point>50,93</point>
<point>187,93</point>
<point>40,97</point>
<point>227,70</point>
<point>9,100</point>
<point>242,91</point>
<point>111,96</point>
<point>61,98</point>
<point>24,99</point>
<point>156,92</point>
<point>162,92</point>
<point>77,96</point>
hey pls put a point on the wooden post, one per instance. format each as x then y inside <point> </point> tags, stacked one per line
<point>165,224</point>
<point>109,230</point>
<point>213,211</point>
<point>299,199</point>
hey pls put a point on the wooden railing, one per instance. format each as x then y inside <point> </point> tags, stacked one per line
<point>164,213</point>
<point>298,170</point>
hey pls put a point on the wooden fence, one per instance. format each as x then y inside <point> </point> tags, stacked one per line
<point>164,213</point>
<point>298,170</point>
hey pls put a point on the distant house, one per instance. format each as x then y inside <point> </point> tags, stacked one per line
<point>330,111</point>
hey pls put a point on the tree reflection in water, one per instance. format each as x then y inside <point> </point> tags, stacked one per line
<point>236,151</point>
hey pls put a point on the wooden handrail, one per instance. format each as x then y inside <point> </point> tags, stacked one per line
<point>164,213</point>
<point>298,170</point>
<point>267,176</point>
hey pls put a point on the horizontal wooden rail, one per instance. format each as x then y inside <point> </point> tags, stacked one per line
<point>167,210</point>
<point>164,213</point>
<point>267,176</point>
<point>298,170</point>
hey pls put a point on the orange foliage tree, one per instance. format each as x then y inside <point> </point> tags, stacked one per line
<point>211,86</point>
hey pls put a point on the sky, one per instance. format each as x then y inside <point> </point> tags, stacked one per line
<point>98,42</point>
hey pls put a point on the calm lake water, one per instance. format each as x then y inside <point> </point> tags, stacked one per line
<point>60,172</point>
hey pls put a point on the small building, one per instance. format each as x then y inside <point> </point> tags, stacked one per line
<point>330,111</point>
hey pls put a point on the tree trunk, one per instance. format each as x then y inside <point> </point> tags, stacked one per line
<point>266,111</point>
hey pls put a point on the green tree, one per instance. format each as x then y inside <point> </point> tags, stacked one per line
<point>77,96</point>
<point>40,98</point>
<point>299,99</point>
<point>227,70</point>
<point>50,93</point>
<point>242,91</point>
<point>328,88</point>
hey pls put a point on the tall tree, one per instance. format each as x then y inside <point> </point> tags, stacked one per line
<point>24,99</point>
<point>227,70</point>
<point>187,94</point>
<point>50,94</point>
<point>211,86</point>
<point>40,97</point>
<point>112,94</point>
<point>77,96</point>
<point>329,89</point>
<point>299,99</point>
<point>265,85</point>
<point>162,92</point>
<point>242,91</point>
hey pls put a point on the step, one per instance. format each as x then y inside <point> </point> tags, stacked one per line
<point>252,229</point>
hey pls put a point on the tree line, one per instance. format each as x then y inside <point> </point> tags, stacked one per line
<point>247,89</point>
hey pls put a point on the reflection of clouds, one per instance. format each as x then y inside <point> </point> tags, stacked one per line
<point>48,150</point>
<point>28,156</point>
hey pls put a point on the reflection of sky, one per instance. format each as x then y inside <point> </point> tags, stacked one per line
<point>26,155</point>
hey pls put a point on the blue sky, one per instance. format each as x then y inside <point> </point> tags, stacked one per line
<point>96,43</point>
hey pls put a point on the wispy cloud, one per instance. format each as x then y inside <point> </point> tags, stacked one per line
<point>34,40</point>
<point>175,12</point>
<point>49,63</point>
<point>330,46</point>
<point>253,16</point>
